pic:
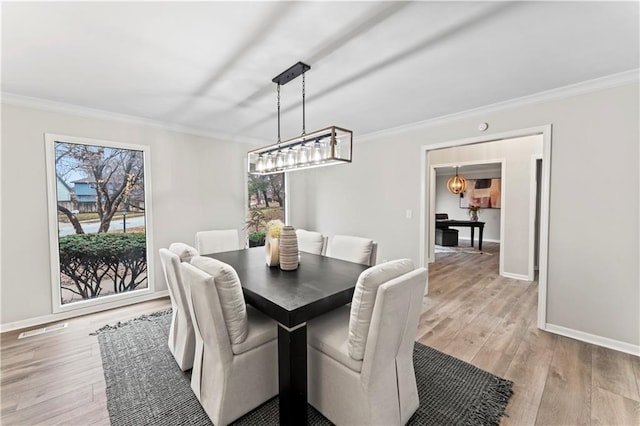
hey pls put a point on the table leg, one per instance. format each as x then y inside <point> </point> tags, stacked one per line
<point>480,238</point>
<point>472,234</point>
<point>292,374</point>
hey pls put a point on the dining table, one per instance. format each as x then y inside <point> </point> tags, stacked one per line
<point>319,285</point>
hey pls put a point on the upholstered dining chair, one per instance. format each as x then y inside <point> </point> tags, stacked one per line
<point>311,242</point>
<point>217,241</point>
<point>353,249</point>
<point>235,367</point>
<point>181,337</point>
<point>360,357</point>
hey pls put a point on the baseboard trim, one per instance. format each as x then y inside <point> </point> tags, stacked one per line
<point>516,276</point>
<point>593,339</point>
<point>31,322</point>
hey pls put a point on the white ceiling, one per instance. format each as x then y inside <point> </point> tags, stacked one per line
<point>208,66</point>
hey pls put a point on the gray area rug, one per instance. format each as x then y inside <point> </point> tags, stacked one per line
<point>145,386</point>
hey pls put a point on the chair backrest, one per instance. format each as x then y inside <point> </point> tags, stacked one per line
<point>353,249</point>
<point>229,289</point>
<point>393,328</point>
<point>442,216</point>
<point>206,314</point>
<point>311,242</point>
<point>363,302</point>
<point>217,241</point>
<point>171,268</point>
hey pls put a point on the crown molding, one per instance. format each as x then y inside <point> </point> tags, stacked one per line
<point>607,82</point>
<point>61,107</point>
<point>610,81</point>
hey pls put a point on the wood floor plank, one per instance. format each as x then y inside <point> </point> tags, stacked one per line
<point>52,390</point>
<point>28,368</point>
<point>50,408</point>
<point>567,393</point>
<point>8,402</point>
<point>91,413</point>
<point>453,304</point>
<point>470,339</point>
<point>500,347</point>
<point>609,408</point>
<point>614,371</point>
<point>528,370</point>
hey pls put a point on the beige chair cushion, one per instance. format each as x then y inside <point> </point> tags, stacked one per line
<point>234,309</point>
<point>184,251</point>
<point>329,334</point>
<point>309,241</point>
<point>364,298</point>
<point>351,249</point>
<point>261,330</point>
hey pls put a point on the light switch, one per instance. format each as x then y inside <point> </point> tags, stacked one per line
<point>409,213</point>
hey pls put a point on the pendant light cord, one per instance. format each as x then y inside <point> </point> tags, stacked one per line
<point>278,112</point>
<point>303,112</point>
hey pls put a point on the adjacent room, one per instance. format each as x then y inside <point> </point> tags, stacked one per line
<point>320,213</point>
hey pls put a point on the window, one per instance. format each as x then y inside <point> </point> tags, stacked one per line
<point>98,221</point>
<point>266,202</point>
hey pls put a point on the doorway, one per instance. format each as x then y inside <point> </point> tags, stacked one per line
<point>520,190</point>
<point>483,190</point>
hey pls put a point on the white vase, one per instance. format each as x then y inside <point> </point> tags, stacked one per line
<point>272,251</point>
<point>288,249</point>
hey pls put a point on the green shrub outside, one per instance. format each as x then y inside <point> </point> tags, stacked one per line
<point>102,245</point>
<point>90,258</point>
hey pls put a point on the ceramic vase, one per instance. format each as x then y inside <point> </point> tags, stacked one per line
<point>288,249</point>
<point>474,216</point>
<point>272,251</point>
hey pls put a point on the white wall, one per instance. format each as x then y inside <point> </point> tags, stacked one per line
<point>197,183</point>
<point>593,269</point>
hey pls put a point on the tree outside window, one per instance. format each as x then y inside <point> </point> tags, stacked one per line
<point>266,202</point>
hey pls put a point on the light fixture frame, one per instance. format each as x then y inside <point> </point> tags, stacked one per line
<point>329,146</point>
<point>339,150</point>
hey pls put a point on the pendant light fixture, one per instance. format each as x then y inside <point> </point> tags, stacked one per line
<point>325,147</point>
<point>457,184</point>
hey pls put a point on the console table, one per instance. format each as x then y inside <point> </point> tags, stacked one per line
<point>444,224</point>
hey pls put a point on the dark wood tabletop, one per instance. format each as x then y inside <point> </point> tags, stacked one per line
<point>319,285</point>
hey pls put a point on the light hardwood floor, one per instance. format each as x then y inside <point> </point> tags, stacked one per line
<point>474,314</point>
<point>470,313</point>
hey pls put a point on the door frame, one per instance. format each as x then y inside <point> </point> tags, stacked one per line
<point>427,198</point>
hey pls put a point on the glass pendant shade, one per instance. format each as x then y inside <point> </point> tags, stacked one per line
<point>270,164</point>
<point>292,157</point>
<point>303,154</point>
<point>279,160</point>
<point>260,164</point>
